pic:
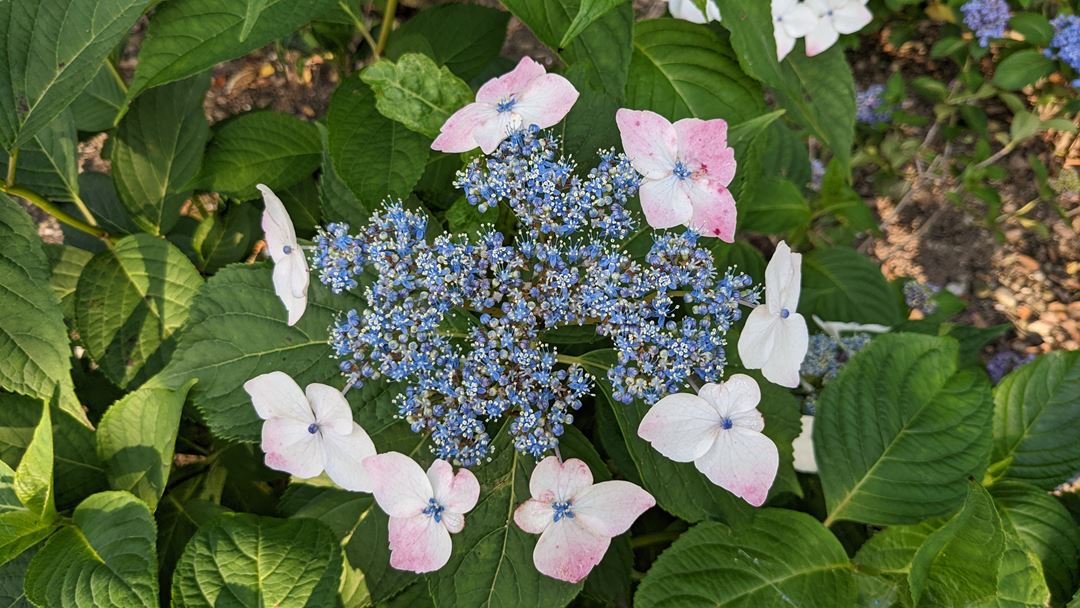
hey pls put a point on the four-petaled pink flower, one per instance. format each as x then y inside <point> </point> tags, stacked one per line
<point>687,167</point>
<point>719,430</point>
<point>424,509</point>
<point>576,519</point>
<point>291,276</point>
<point>305,434</point>
<point>525,96</point>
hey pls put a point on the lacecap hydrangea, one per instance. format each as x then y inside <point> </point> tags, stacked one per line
<point>461,323</point>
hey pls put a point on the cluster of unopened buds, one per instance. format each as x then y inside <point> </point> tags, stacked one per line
<point>460,323</point>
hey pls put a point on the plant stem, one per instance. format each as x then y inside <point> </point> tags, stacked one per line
<point>84,210</point>
<point>387,23</point>
<point>36,199</point>
<point>12,161</point>
<point>359,23</point>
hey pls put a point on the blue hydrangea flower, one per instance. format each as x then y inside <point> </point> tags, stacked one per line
<point>871,107</point>
<point>459,322</point>
<point>1004,362</point>
<point>986,18</point>
<point>1066,42</point>
<point>920,296</point>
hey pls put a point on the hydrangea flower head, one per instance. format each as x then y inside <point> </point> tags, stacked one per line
<point>1066,42</point>
<point>460,322</point>
<point>687,167</point>
<point>719,430</point>
<point>986,18</point>
<point>424,508</point>
<point>870,105</point>
<point>575,518</point>
<point>291,276</point>
<point>307,432</point>
<point>525,96</point>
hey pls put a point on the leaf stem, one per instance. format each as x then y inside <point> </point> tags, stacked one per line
<point>38,201</point>
<point>387,23</point>
<point>13,160</point>
<point>83,209</point>
<point>361,27</point>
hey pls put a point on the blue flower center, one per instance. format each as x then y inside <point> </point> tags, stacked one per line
<point>562,509</point>
<point>313,428</point>
<point>434,510</point>
<point>784,313</point>
<point>506,105</point>
<point>726,423</point>
<point>681,171</point>
<point>287,249</point>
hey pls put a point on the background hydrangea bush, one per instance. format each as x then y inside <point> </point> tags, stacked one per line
<point>509,330</point>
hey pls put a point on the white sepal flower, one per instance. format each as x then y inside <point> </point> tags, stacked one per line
<point>291,276</point>
<point>835,17</point>
<point>791,20</point>
<point>805,462</point>
<point>775,338</point>
<point>687,10</point>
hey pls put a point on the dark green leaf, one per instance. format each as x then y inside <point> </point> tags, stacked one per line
<point>98,106</point>
<point>47,163</point>
<point>416,92</point>
<point>226,236</point>
<point>776,206</point>
<point>1021,69</point>
<point>839,284</point>
<point>463,37</point>
<point>67,263</point>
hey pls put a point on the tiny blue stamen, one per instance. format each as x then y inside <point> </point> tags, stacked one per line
<point>681,171</point>
<point>434,510</point>
<point>726,423</point>
<point>287,249</point>
<point>784,313</point>
<point>562,509</point>
<point>313,428</point>
<point>506,105</point>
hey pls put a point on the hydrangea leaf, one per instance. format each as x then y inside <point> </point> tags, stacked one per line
<point>463,37</point>
<point>67,263</point>
<point>247,560</point>
<point>416,92</point>
<point>377,158</point>
<point>261,147</point>
<point>884,562</point>
<point>188,36</point>
<point>226,236</point>
<point>33,482</point>
<point>839,284</point>
<point>157,151</point>
<point>98,106</point>
<point>899,429</point>
<point>782,558</point>
<point>129,302</point>
<point>12,575</point>
<point>588,12</point>
<point>107,558</point>
<point>230,340</point>
<point>136,438</point>
<point>1046,528</point>
<point>971,561</point>
<point>47,163</point>
<point>1036,417</point>
<point>48,62</point>
<point>34,355</point>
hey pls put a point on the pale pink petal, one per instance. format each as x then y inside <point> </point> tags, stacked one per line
<point>609,508</point>
<point>418,544</point>
<point>399,484</point>
<point>545,101</point>
<point>534,516</point>
<point>738,394</point>
<point>714,211</point>
<point>799,21</point>
<point>330,407</point>
<point>783,280</point>
<point>758,337</point>
<point>665,202</point>
<point>851,17</point>
<point>288,275</point>
<point>742,462</point>
<point>784,42</point>
<point>805,462</point>
<point>681,426</point>
<point>703,148</point>
<point>823,36</point>
<point>788,351</point>
<point>276,225</point>
<point>457,493</point>
<point>453,522</point>
<point>510,83</point>
<point>458,133</point>
<point>649,140</point>
<point>568,551</point>
<point>491,133</point>
<point>345,455</point>
<point>290,446</point>
<point>554,481</point>
<point>300,275</point>
<point>276,395</point>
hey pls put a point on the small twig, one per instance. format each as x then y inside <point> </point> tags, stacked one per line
<point>38,201</point>
<point>387,24</point>
<point>1009,147</point>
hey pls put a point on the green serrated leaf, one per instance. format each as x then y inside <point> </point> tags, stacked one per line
<point>47,164</point>
<point>129,301</point>
<point>226,236</point>
<point>188,36</point>
<point>247,560</point>
<point>1036,415</point>
<point>839,284</point>
<point>12,575</point>
<point>886,560</point>
<point>48,61</point>
<point>136,437</point>
<point>1022,68</point>
<point>588,12</point>
<point>777,206</point>
<point>33,483</point>
<point>463,37</point>
<point>67,263</point>
<point>784,559</point>
<point>260,147</point>
<point>33,337</point>
<point>106,558</point>
<point>157,151</point>
<point>98,106</point>
<point>416,92</point>
<point>899,430</point>
<point>377,158</point>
